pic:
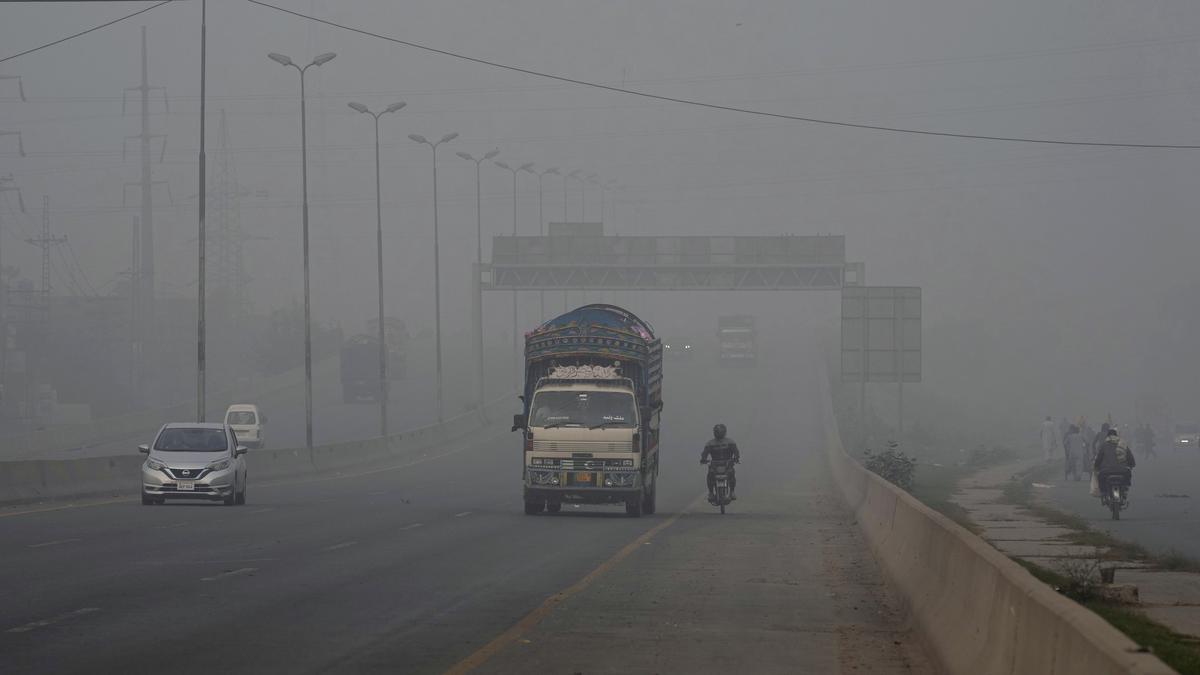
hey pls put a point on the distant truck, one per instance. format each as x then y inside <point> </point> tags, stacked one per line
<point>396,334</point>
<point>360,368</point>
<point>1187,436</point>
<point>592,403</point>
<point>737,339</point>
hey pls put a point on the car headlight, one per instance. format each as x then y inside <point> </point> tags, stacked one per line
<point>155,465</point>
<point>219,465</point>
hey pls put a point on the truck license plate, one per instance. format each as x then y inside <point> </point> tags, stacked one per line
<point>583,477</point>
<point>187,485</point>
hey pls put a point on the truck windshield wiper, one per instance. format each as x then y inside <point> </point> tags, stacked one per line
<point>603,424</point>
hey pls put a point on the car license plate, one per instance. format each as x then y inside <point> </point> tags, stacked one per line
<point>583,477</point>
<point>187,485</point>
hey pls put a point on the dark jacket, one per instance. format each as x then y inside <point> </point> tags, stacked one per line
<point>1109,460</point>
<point>721,449</point>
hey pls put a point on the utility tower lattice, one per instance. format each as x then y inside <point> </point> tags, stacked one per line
<point>228,267</point>
<point>45,242</point>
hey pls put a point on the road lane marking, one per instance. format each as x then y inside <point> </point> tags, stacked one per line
<point>344,544</point>
<point>56,542</point>
<point>269,508</point>
<point>34,625</point>
<point>412,527</point>
<point>532,619</point>
<point>230,573</point>
<point>464,513</point>
<point>169,527</point>
<point>26,512</point>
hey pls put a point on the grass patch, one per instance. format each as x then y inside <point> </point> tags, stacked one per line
<point>1181,652</point>
<point>935,487</point>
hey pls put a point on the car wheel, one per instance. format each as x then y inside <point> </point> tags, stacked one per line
<point>147,500</point>
<point>231,499</point>
<point>241,496</point>
<point>534,508</point>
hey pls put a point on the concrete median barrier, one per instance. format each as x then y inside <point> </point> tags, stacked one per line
<point>979,611</point>
<point>35,480</point>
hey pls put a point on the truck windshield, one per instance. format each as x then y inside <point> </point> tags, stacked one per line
<point>583,409</point>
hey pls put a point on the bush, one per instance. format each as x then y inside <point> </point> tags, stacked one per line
<point>892,465</point>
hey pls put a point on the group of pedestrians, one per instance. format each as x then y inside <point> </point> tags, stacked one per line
<point>1082,446</point>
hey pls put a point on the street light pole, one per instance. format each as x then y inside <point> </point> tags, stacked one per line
<point>201,326</point>
<point>383,375</point>
<point>516,342</point>
<point>479,370</point>
<point>437,267</point>
<point>542,227</point>
<point>308,403</point>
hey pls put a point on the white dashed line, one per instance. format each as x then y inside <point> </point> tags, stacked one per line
<point>171,526</point>
<point>412,527</point>
<point>261,510</point>
<point>34,625</point>
<point>230,573</point>
<point>344,544</point>
<point>56,542</point>
<point>464,513</point>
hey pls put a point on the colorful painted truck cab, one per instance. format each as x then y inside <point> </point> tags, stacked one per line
<point>592,402</point>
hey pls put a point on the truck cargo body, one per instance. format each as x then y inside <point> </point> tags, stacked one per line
<point>592,401</point>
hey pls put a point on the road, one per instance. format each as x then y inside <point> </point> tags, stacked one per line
<point>430,566</point>
<point>1164,510</point>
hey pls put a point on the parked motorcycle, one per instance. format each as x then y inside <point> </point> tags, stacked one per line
<point>1114,495</point>
<point>720,470</point>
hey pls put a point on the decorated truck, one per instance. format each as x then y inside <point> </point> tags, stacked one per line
<point>592,403</point>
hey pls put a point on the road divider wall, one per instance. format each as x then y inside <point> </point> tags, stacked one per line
<point>979,611</point>
<point>34,480</point>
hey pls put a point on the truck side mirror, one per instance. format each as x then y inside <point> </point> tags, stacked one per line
<point>519,422</point>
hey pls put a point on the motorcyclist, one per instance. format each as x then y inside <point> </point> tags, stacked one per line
<point>721,448</point>
<point>1114,458</point>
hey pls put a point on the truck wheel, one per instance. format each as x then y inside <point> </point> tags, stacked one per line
<point>553,507</point>
<point>534,508</point>
<point>633,507</point>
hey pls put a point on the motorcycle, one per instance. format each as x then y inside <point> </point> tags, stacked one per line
<point>1114,494</point>
<point>720,469</point>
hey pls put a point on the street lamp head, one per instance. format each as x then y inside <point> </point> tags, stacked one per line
<point>418,138</point>
<point>575,173</point>
<point>503,165</point>
<point>492,153</point>
<point>323,59</point>
<point>465,155</point>
<point>358,107</point>
<point>280,59</point>
<point>394,107</point>
<point>552,170</point>
<point>527,167</point>
<point>448,137</point>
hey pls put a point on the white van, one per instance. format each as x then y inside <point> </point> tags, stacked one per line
<point>247,424</point>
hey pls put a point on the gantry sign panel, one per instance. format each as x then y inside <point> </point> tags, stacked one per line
<point>881,328</point>
<point>667,263</point>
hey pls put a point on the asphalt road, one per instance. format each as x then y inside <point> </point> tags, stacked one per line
<point>1164,503</point>
<point>422,567</point>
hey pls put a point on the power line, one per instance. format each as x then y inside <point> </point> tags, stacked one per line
<point>717,106</point>
<point>84,32</point>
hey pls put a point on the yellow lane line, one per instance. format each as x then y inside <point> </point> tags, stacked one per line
<point>532,619</point>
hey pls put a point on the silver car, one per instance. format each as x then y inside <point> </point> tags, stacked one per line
<point>194,461</point>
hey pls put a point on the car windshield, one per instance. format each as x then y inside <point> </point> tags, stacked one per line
<point>583,408</point>
<point>240,417</point>
<point>196,439</point>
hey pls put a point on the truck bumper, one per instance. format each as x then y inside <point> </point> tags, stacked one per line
<point>580,495</point>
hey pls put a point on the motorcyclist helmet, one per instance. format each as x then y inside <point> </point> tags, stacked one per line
<point>719,431</point>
